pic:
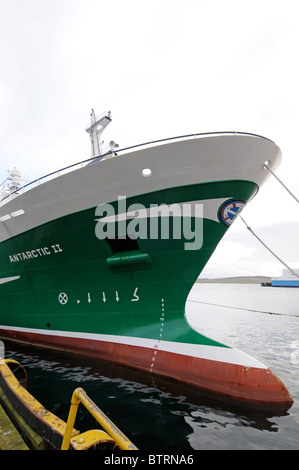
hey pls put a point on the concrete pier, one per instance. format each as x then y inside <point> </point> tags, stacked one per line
<point>10,439</point>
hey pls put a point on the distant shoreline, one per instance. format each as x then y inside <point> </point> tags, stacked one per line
<point>236,280</point>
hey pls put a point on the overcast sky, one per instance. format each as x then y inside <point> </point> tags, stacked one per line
<point>163,68</point>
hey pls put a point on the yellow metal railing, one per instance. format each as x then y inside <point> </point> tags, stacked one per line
<point>89,438</point>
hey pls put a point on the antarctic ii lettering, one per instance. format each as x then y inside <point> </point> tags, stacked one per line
<point>151,459</point>
<point>36,253</point>
<point>182,220</point>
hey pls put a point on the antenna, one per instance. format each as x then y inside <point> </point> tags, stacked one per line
<point>95,129</point>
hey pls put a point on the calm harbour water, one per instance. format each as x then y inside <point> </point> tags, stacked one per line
<point>159,415</point>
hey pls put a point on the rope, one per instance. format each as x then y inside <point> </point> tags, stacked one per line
<point>245,309</point>
<point>261,241</point>
<point>255,235</point>
<point>275,176</point>
<point>272,252</point>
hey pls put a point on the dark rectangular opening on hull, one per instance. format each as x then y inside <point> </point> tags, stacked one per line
<point>118,245</point>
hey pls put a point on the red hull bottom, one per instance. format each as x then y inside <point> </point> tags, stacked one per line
<point>251,385</point>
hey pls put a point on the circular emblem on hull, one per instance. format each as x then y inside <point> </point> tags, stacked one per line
<point>230,210</point>
<point>63,298</point>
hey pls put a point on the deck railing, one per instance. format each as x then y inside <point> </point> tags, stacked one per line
<point>112,153</point>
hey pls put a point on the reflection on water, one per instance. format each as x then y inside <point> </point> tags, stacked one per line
<point>161,414</point>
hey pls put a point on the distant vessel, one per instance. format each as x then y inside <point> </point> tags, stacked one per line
<point>288,279</point>
<point>99,258</point>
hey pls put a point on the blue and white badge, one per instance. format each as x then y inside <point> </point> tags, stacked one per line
<point>230,211</point>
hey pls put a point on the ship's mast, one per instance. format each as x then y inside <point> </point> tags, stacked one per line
<point>95,129</point>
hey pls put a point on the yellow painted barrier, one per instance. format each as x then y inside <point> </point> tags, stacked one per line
<point>52,428</point>
<point>113,433</point>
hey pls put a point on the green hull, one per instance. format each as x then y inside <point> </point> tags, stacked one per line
<point>100,293</point>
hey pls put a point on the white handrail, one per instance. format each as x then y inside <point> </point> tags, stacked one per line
<point>110,153</point>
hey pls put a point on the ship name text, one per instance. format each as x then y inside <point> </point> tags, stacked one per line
<point>36,253</point>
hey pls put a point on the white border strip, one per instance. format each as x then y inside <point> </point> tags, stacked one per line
<point>3,280</point>
<point>208,209</point>
<point>212,353</point>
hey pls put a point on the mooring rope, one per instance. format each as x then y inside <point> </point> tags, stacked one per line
<point>275,176</point>
<point>269,249</point>
<point>258,238</point>
<point>272,252</point>
<point>245,309</point>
